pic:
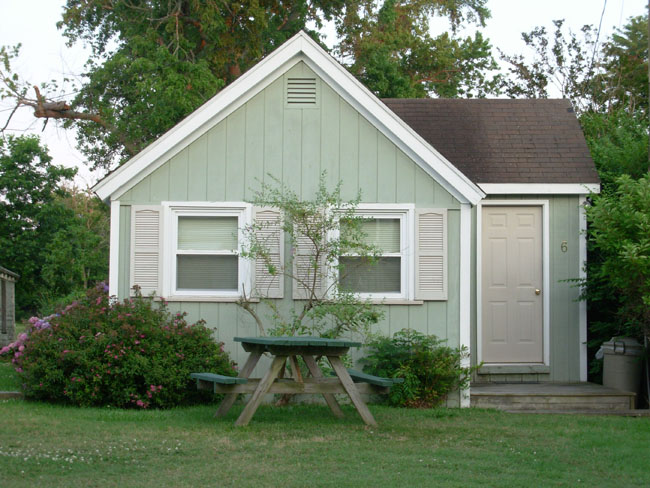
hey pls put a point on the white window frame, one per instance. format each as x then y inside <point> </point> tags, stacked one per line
<point>405,213</point>
<point>171,212</point>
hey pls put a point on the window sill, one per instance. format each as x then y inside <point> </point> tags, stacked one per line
<point>186,298</point>
<point>379,301</point>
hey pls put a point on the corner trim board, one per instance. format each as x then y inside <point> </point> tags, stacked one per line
<point>465,302</point>
<point>114,256</point>
<point>582,274</point>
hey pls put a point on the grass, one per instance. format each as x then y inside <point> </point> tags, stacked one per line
<point>48,445</point>
<point>8,377</point>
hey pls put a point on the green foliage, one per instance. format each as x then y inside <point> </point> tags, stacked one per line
<point>153,63</point>
<point>123,354</point>
<point>430,369</point>
<point>619,231</point>
<point>170,57</point>
<point>618,142</point>
<point>313,225</point>
<point>596,79</point>
<point>392,52</point>
<point>625,64</point>
<point>55,237</point>
<point>76,256</point>
<point>29,213</point>
<point>561,60</point>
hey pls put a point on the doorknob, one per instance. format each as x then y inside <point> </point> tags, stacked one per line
<point>537,291</point>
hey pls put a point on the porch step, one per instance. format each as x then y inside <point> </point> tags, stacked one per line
<point>551,397</point>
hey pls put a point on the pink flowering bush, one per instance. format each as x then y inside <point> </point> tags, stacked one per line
<point>133,353</point>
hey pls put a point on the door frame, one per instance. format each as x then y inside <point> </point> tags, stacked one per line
<point>546,298</point>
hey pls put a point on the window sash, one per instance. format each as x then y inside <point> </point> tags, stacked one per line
<point>385,276</point>
<point>206,233</point>
<point>207,272</point>
<point>404,217</point>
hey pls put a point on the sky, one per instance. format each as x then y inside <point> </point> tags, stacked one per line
<point>45,56</point>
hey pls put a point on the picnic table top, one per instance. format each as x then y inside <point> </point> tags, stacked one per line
<point>298,341</point>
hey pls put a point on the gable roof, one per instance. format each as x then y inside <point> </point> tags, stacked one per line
<point>299,48</point>
<point>504,140</point>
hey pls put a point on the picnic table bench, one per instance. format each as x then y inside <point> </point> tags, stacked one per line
<point>353,383</point>
<point>360,377</point>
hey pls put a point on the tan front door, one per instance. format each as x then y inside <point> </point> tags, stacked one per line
<point>511,280</point>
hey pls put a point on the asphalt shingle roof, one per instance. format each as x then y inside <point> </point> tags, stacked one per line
<point>503,140</point>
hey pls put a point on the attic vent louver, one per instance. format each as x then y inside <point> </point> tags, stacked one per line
<point>302,92</point>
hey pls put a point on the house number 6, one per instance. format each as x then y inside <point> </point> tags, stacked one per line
<point>564,246</point>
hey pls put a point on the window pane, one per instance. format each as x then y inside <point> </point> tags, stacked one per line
<point>358,275</point>
<point>207,233</point>
<point>206,272</point>
<point>383,233</point>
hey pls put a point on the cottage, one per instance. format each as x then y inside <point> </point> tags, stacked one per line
<point>7,305</point>
<point>485,196</point>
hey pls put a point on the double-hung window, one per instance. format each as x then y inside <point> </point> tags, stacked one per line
<point>203,243</point>
<point>390,230</point>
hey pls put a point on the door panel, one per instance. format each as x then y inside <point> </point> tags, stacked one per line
<point>512,313</point>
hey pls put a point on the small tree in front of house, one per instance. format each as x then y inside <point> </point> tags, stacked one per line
<point>318,232</point>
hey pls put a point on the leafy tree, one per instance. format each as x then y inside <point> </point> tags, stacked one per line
<point>625,64</point>
<point>618,142</point>
<point>55,237</point>
<point>327,227</point>
<point>393,53</point>
<point>154,62</point>
<point>595,78</point>
<point>29,212</point>
<point>561,60</point>
<point>76,257</point>
<point>619,229</point>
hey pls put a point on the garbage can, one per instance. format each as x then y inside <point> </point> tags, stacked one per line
<point>622,364</point>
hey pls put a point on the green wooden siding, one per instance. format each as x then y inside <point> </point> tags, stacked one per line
<point>295,145</point>
<point>564,313</point>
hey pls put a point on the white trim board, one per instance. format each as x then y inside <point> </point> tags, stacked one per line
<point>465,302</point>
<point>546,273</point>
<point>114,255</point>
<point>582,274</point>
<point>299,48</point>
<point>539,188</point>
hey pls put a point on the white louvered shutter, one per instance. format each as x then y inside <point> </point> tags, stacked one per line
<point>271,234</point>
<point>303,270</point>
<point>430,254</point>
<point>146,241</point>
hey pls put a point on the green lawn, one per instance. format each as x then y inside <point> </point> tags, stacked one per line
<point>8,377</point>
<point>45,445</point>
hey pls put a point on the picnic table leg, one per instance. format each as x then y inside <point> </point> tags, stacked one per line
<point>315,371</point>
<point>350,387</point>
<point>245,372</point>
<point>262,389</point>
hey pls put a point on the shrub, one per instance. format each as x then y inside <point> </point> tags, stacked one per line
<point>124,354</point>
<point>430,369</point>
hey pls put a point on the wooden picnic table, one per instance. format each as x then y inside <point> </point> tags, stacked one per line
<point>285,349</point>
